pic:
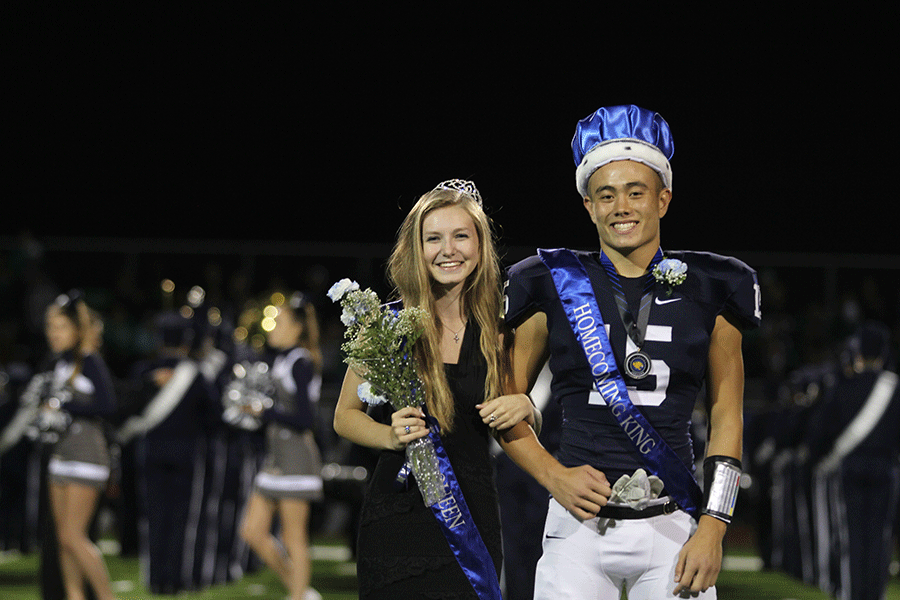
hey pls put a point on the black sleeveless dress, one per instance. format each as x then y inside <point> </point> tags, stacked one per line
<point>402,552</point>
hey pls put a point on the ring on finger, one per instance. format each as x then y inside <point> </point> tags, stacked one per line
<point>407,429</point>
<point>493,418</point>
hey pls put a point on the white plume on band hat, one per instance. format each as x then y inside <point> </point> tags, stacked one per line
<point>626,132</point>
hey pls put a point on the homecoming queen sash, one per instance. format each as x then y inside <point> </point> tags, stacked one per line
<point>456,522</point>
<point>453,516</point>
<point>452,513</point>
<point>580,305</point>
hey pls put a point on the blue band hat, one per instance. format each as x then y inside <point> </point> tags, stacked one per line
<point>625,132</point>
<point>297,301</point>
<point>871,340</point>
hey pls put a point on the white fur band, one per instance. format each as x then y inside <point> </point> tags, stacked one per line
<point>622,149</point>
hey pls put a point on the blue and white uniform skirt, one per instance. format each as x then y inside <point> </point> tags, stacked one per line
<point>292,467</point>
<point>81,455</point>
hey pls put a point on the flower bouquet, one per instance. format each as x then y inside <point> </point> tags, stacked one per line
<point>379,349</point>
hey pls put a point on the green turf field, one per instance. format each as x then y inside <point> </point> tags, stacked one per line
<point>334,577</point>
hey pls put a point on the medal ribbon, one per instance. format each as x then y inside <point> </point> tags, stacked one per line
<point>636,330</point>
<point>580,305</point>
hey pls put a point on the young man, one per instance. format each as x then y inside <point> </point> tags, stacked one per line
<point>632,335</point>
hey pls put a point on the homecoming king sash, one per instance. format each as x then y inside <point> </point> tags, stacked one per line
<point>580,305</point>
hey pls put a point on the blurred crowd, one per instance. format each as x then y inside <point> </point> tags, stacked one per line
<point>794,363</point>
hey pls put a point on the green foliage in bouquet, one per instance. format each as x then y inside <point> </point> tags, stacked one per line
<point>379,344</point>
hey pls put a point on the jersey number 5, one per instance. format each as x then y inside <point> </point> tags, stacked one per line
<point>651,391</point>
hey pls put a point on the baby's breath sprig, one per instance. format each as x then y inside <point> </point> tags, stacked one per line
<point>379,343</point>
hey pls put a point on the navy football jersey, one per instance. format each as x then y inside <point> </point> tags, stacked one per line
<point>677,340</point>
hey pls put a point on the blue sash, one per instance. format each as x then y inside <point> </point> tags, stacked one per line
<point>456,522</point>
<point>578,301</point>
<point>453,516</point>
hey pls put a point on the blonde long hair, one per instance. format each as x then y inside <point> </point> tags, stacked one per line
<point>481,298</point>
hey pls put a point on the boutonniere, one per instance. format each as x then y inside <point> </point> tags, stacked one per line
<point>671,272</point>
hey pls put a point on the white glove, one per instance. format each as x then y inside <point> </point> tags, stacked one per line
<point>636,490</point>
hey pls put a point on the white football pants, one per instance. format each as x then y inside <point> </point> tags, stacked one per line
<point>598,558</point>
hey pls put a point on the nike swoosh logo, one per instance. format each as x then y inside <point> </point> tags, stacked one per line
<point>661,302</point>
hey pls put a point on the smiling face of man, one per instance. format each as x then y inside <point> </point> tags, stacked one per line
<point>626,202</point>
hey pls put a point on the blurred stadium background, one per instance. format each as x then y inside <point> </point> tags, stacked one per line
<point>151,153</point>
<point>811,303</point>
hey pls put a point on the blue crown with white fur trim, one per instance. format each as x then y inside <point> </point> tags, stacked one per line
<point>625,132</point>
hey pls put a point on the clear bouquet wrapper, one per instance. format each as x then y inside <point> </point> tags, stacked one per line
<point>379,348</point>
<point>423,461</point>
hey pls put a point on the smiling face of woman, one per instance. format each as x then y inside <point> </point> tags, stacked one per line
<point>450,245</point>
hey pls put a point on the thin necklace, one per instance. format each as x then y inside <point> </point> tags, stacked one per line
<point>456,333</point>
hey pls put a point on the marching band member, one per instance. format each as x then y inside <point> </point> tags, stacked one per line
<point>854,447</point>
<point>179,410</point>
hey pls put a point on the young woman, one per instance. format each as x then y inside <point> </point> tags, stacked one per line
<point>79,465</point>
<point>291,475</point>
<point>444,262</point>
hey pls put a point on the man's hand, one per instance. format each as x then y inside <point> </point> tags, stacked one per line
<point>583,490</point>
<point>700,559</point>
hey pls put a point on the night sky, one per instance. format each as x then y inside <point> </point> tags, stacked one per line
<point>302,126</point>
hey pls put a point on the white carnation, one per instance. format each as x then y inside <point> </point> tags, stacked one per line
<point>365,393</point>
<point>342,287</point>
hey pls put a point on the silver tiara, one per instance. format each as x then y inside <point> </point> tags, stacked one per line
<point>461,185</point>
